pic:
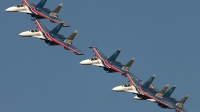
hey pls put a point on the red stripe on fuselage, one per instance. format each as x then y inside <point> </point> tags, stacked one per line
<point>131,81</point>
<point>98,56</point>
<point>40,14</point>
<point>106,62</point>
<point>54,40</point>
<point>144,93</point>
<point>38,26</point>
<point>25,3</point>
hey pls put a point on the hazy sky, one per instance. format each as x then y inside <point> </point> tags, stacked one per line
<point>163,36</point>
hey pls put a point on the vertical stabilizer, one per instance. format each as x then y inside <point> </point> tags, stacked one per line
<point>148,82</point>
<point>57,28</point>
<point>115,55</point>
<point>180,103</point>
<point>162,92</point>
<point>41,4</point>
<point>128,65</point>
<point>170,91</point>
<point>56,10</point>
<point>71,37</point>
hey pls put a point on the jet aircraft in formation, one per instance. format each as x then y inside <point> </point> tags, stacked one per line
<point>110,64</point>
<point>143,91</point>
<point>51,37</point>
<point>38,11</point>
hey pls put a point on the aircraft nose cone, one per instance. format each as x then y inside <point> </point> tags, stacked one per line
<point>84,62</point>
<point>25,34</point>
<point>21,34</point>
<point>7,10</point>
<point>11,9</point>
<point>116,89</point>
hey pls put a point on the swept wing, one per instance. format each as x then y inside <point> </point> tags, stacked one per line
<point>57,38</point>
<point>143,89</point>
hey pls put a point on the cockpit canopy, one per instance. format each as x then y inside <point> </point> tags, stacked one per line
<point>93,58</point>
<point>126,85</point>
<point>20,5</point>
<point>34,30</point>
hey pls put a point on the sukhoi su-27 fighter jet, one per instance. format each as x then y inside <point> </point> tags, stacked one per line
<point>143,92</point>
<point>109,64</point>
<point>38,11</point>
<point>51,37</point>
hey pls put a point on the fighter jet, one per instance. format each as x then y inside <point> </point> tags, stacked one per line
<point>38,11</point>
<point>143,92</point>
<point>109,64</point>
<point>51,37</point>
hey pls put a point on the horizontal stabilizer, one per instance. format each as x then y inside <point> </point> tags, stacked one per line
<point>56,10</point>
<point>128,65</point>
<point>169,92</point>
<point>41,4</point>
<point>148,82</point>
<point>162,92</point>
<point>182,101</point>
<point>115,55</point>
<point>71,37</point>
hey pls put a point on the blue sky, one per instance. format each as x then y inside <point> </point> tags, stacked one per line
<point>163,36</point>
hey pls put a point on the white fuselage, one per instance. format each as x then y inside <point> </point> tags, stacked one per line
<point>92,61</point>
<point>130,89</point>
<point>37,34</point>
<point>21,8</point>
<point>122,88</point>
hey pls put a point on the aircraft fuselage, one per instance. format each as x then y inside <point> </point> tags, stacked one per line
<point>19,8</point>
<point>37,13</point>
<point>32,33</point>
<point>125,88</point>
<point>92,61</point>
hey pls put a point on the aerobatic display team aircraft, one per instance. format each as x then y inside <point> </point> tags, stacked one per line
<point>110,64</point>
<point>143,91</point>
<point>38,11</point>
<point>51,37</point>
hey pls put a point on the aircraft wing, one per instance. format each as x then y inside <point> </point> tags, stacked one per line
<point>43,13</point>
<point>98,53</point>
<point>46,15</point>
<point>75,50</point>
<point>60,39</point>
<point>28,3</point>
<point>41,26</point>
<point>133,80</point>
<point>151,93</point>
